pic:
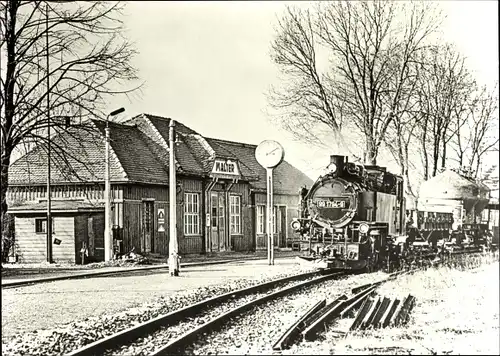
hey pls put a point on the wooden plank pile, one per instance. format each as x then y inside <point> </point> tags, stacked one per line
<point>381,312</point>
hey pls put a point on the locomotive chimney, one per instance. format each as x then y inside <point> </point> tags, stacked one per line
<point>339,161</point>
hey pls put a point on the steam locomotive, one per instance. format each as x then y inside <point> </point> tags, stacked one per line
<point>354,217</point>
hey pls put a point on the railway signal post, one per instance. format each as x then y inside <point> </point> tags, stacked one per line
<point>269,154</point>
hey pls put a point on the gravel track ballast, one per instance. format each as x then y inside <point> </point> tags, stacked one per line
<point>74,335</point>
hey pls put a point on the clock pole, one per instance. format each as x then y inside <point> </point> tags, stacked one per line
<point>270,217</point>
<point>269,154</point>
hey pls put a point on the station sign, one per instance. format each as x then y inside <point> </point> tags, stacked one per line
<point>161,220</point>
<point>225,167</point>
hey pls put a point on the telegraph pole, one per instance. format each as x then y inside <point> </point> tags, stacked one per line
<point>173,246</point>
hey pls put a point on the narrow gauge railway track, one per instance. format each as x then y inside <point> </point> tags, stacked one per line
<point>309,325</point>
<point>253,332</point>
<point>177,346</point>
<point>134,338</point>
<point>315,320</point>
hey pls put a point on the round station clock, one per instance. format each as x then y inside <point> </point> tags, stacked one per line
<point>269,154</point>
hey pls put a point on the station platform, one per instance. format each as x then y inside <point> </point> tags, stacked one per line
<point>19,275</point>
<point>44,306</point>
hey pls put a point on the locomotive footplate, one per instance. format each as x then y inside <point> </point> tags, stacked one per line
<point>336,263</point>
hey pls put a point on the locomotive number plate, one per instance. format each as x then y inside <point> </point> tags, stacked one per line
<point>331,204</point>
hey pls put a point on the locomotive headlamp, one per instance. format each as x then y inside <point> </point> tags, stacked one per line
<point>363,228</point>
<point>296,225</point>
<point>332,167</point>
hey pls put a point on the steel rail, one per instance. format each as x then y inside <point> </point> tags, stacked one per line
<point>320,318</point>
<point>176,346</point>
<point>294,330</point>
<point>309,326</point>
<point>128,335</point>
<point>342,306</point>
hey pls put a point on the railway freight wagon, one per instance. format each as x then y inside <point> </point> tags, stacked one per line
<point>449,207</point>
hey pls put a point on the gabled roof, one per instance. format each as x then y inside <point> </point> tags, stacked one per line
<point>134,151</point>
<point>139,153</point>
<point>234,150</point>
<point>186,161</point>
<point>287,179</point>
<point>131,158</point>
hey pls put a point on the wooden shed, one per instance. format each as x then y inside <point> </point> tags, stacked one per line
<point>76,225</point>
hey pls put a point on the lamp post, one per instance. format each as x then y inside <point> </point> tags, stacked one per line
<point>108,238</point>
<point>173,246</point>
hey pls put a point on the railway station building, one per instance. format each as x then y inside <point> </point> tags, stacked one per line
<point>221,193</point>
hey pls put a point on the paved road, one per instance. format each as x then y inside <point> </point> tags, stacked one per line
<point>47,305</point>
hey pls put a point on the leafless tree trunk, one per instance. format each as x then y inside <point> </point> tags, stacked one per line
<point>483,127</point>
<point>368,77</point>
<point>444,89</point>
<point>89,60</point>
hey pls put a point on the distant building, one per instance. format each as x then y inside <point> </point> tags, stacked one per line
<point>218,209</point>
<point>491,213</point>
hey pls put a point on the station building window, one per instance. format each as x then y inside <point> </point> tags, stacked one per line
<point>41,226</point>
<point>235,213</point>
<point>275,219</point>
<point>261,219</point>
<point>191,214</point>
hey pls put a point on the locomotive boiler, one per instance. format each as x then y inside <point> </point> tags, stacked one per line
<point>352,216</point>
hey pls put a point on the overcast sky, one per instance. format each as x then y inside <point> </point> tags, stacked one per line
<point>207,65</point>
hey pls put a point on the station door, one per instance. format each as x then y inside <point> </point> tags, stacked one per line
<point>217,221</point>
<point>147,226</point>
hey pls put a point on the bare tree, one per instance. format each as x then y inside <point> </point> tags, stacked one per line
<point>477,130</point>
<point>368,77</point>
<point>444,91</point>
<point>305,100</point>
<point>400,138</point>
<point>73,52</point>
